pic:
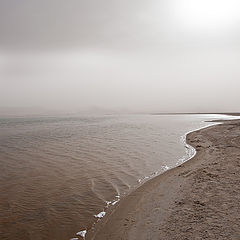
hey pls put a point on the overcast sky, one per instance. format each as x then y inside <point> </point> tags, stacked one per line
<point>138,55</point>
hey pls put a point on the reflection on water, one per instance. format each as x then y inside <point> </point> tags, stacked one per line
<point>58,173</point>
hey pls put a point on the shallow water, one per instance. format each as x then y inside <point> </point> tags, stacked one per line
<point>59,173</point>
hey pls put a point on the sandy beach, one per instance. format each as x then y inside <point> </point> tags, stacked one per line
<point>197,200</point>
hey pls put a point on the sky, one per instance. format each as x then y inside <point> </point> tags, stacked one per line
<point>122,56</point>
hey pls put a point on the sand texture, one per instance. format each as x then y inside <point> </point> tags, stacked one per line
<point>197,200</point>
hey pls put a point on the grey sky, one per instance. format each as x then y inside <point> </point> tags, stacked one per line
<point>168,55</point>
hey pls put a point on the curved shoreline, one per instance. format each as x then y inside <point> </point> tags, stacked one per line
<point>110,207</point>
<point>187,156</point>
<point>92,233</point>
<point>149,204</point>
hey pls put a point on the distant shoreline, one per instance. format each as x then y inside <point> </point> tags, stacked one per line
<point>189,113</point>
<point>199,199</point>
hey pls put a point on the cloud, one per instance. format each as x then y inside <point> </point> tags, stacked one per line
<point>136,55</point>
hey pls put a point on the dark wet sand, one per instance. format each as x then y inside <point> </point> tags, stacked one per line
<point>197,200</point>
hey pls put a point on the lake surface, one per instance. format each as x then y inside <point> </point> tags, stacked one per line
<point>58,172</point>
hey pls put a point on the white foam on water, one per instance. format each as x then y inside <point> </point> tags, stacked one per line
<point>140,180</point>
<point>108,203</point>
<point>100,215</point>
<point>82,233</point>
<point>165,167</point>
<point>143,179</point>
<point>74,239</point>
<point>114,202</point>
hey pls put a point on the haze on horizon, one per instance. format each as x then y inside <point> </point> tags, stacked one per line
<point>139,55</point>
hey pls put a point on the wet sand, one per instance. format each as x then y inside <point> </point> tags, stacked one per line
<point>198,200</point>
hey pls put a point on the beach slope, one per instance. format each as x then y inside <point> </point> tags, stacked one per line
<point>198,200</point>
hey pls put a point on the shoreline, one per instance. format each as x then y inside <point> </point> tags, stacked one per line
<point>190,152</point>
<point>141,214</point>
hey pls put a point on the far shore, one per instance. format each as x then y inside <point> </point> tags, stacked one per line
<point>200,113</point>
<point>199,199</point>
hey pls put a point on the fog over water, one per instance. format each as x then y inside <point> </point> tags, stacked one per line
<point>124,56</point>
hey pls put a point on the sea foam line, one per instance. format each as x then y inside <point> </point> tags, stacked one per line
<point>190,151</point>
<point>108,204</point>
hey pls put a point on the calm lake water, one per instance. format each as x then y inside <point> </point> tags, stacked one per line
<point>58,172</point>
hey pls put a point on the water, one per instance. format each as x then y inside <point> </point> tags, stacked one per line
<point>58,174</point>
